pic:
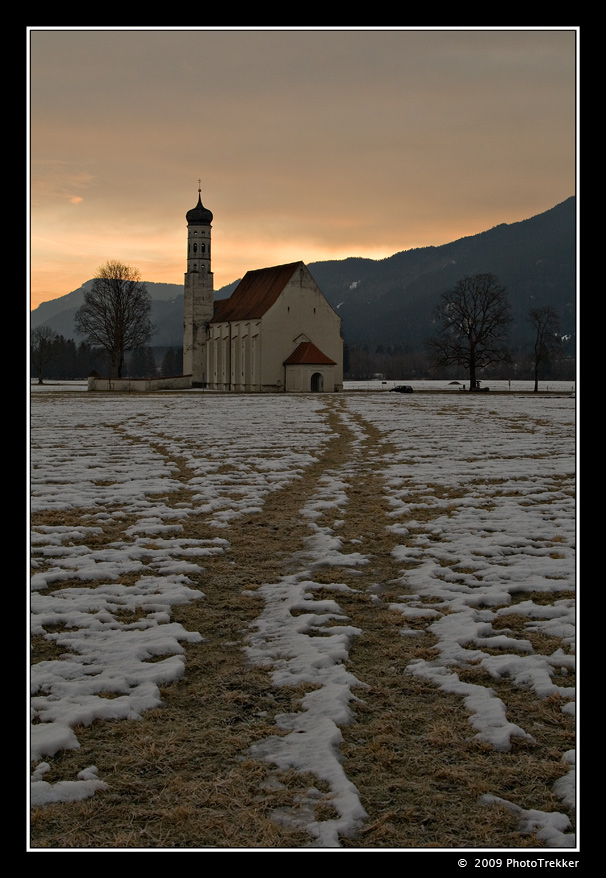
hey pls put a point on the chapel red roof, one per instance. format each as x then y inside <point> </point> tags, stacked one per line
<point>255,294</point>
<point>308,353</point>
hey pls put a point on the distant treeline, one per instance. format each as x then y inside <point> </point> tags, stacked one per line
<point>394,362</point>
<point>64,360</point>
<point>67,361</point>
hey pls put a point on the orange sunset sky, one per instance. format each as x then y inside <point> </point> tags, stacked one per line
<point>310,144</point>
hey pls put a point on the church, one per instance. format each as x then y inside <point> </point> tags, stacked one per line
<point>275,333</point>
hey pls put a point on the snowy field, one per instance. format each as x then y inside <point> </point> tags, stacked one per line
<point>476,495</point>
<point>378,385</point>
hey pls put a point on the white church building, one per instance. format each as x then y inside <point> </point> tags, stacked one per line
<point>275,333</point>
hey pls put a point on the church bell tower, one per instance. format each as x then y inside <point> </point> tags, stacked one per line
<point>199,293</point>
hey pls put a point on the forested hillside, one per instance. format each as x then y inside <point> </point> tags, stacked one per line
<point>386,305</point>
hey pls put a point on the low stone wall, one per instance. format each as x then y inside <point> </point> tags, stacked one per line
<point>139,385</point>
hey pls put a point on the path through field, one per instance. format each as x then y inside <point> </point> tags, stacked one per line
<point>326,621</point>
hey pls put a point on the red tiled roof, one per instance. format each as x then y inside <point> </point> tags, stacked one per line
<point>308,353</point>
<point>255,294</point>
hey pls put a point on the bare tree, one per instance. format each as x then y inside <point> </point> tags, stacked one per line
<point>547,339</point>
<point>473,321</point>
<point>41,348</point>
<point>116,313</point>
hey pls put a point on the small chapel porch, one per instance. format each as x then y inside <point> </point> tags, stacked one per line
<point>308,370</point>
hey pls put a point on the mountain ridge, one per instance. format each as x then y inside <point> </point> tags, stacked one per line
<point>391,300</point>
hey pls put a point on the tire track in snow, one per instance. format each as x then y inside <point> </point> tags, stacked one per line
<point>303,636</point>
<point>219,701</point>
<point>319,554</point>
<point>484,702</point>
<point>394,751</point>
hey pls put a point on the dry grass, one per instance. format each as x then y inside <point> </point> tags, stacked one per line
<point>183,777</point>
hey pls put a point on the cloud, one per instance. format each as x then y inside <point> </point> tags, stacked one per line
<point>312,142</point>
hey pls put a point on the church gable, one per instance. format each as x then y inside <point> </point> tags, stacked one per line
<point>255,294</point>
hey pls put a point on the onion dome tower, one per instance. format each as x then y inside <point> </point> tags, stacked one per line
<point>198,292</point>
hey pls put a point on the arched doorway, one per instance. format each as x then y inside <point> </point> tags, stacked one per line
<point>317,382</point>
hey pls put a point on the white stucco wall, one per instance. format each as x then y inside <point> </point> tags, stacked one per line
<point>249,355</point>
